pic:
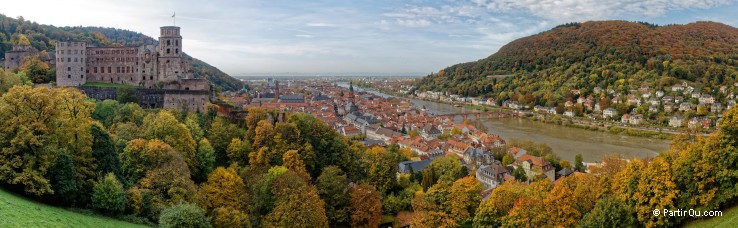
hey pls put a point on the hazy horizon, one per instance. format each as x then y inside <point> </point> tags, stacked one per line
<point>382,37</point>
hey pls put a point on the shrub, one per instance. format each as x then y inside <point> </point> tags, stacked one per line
<point>183,215</point>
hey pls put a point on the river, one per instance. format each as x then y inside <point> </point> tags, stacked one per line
<point>566,142</point>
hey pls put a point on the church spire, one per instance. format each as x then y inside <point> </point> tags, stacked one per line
<point>351,91</point>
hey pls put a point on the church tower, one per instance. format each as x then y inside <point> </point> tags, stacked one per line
<point>171,65</point>
<point>351,91</point>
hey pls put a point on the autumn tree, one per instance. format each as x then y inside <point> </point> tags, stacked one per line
<point>655,190</point>
<point>382,168</point>
<point>238,151</point>
<point>224,217</point>
<point>366,206</point>
<point>224,188</point>
<point>165,127</point>
<point>561,207</point>
<point>169,183</point>
<point>333,188</point>
<point>292,161</point>
<point>463,199</point>
<point>264,136</point>
<point>491,212</point>
<point>297,204</point>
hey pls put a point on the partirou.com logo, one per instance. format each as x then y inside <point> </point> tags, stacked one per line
<point>684,213</point>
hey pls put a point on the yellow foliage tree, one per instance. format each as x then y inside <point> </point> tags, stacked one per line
<point>366,206</point>
<point>224,188</point>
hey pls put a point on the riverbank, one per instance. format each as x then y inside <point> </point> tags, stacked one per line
<point>566,141</point>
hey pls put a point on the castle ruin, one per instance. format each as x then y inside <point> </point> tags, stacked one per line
<point>162,76</point>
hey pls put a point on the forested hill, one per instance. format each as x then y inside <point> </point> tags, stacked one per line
<point>608,54</point>
<point>44,37</point>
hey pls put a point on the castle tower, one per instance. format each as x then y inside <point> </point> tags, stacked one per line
<point>171,65</point>
<point>70,63</point>
<point>276,91</point>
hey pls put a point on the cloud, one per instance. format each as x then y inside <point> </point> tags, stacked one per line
<point>581,10</point>
<point>319,24</point>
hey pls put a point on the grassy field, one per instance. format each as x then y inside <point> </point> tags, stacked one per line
<point>729,219</point>
<point>111,85</point>
<point>16,211</point>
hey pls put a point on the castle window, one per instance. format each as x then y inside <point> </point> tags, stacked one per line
<point>94,70</point>
<point>169,42</point>
<point>69,68</point>
<point>69,59</point>
<point>176,43</point>
<point>168,51</point>
<point>69,76</point>
<point>81,76</point>
<point>144,78</point>
<point>62,51</point>
<point>176,50</point>
<point>81,69</point>
<point>110,71</point>
<point>151,77</point>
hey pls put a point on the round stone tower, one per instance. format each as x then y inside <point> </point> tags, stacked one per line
<point>70,63</point>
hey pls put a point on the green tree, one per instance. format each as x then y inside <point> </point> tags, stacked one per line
<point>334,190</point>
<point>609,212</point>
<point>109,196</point>
<point>220,134</point>
<point>183,215</point>
<point>127,95</point>
<point>507,159</point>
<point>519,173</point>
<point>578,163</point>
<point>205,158</point>
<point>63,180</point>
<point>8,80</point>
<point>192,121</point>
<point>103,150</point>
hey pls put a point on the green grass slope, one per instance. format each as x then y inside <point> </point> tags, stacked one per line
<point>729,219</point>
<point>16,211</point>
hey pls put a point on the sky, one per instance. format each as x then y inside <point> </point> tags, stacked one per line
<point>322,37</point>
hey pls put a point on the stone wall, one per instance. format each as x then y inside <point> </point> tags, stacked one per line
<point>14,58</point>
<point>191,101</point>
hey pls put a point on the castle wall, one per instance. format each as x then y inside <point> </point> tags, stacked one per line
<point>70,63</point>
<point>118,65</point>
<point>191,101</point>
<point>14,58</point>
